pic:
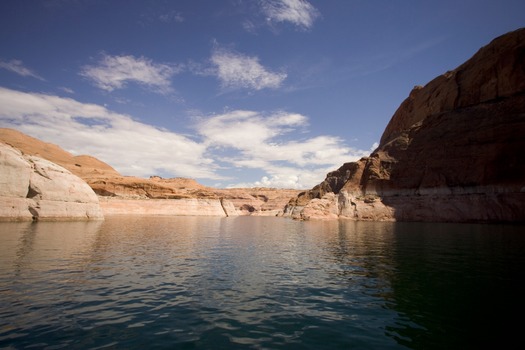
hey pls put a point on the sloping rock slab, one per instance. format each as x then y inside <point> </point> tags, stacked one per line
<point>32,188</point>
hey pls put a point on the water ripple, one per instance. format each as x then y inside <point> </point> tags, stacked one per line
<point>264,283</point>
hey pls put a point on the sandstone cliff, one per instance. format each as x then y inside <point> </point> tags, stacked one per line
<point>453,151</point>
<point>167,207</point>
<point>32,188</point>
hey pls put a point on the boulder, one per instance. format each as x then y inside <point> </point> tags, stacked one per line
<point>32,188</point>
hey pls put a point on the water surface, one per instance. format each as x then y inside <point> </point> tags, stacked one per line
<point>259,282</point>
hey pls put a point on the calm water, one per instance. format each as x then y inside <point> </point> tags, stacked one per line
<point>248,282</point>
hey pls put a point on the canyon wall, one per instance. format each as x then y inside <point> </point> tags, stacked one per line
<point>453,151</point>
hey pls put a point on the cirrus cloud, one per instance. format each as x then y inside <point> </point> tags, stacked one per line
<point>115,72</point>
<point>236,70</point>
<point>18,67</point>
<point>298,12</point>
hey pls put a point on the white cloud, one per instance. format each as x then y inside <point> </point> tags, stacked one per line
<point>114,72</point>
<point>259,142</point>
<point>275,145</point>
<point>17,66</point>
<point>132,147</point>
<point>283,177</point>
<point>240,71</point>
<point>299,12</point>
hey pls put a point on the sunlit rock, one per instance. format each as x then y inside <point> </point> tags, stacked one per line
<point>32,188</point>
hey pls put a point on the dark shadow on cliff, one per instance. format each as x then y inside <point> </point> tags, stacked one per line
<point>463,165</point>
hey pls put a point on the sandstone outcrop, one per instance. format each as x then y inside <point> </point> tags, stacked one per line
<point>453,151</point>
<point>32,188</point>
<point>258,201</point>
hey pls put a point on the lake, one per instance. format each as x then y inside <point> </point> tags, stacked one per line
<point>259,283</point>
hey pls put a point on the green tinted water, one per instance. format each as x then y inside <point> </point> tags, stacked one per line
<point>256,282</point>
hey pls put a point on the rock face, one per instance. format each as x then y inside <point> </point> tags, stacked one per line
<point>32,188</point>
<point>167,207</point>
<point>258,201</point>
<point>453,151</point>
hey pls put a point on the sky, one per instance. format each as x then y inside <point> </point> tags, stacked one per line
<point>232,93</point>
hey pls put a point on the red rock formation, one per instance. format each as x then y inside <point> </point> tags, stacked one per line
<point>453,151</point>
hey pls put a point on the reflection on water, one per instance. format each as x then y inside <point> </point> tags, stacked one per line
<point>258,282</point>
<point>39,248</point>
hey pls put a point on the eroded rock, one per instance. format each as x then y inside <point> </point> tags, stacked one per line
<point>32,188</point>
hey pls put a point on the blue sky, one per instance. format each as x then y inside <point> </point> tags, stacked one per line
<point>272,93</point>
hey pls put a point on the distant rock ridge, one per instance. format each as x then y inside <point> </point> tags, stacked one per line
<point>122,195</point>
<point>167,207</point>
<point>453,151</point>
